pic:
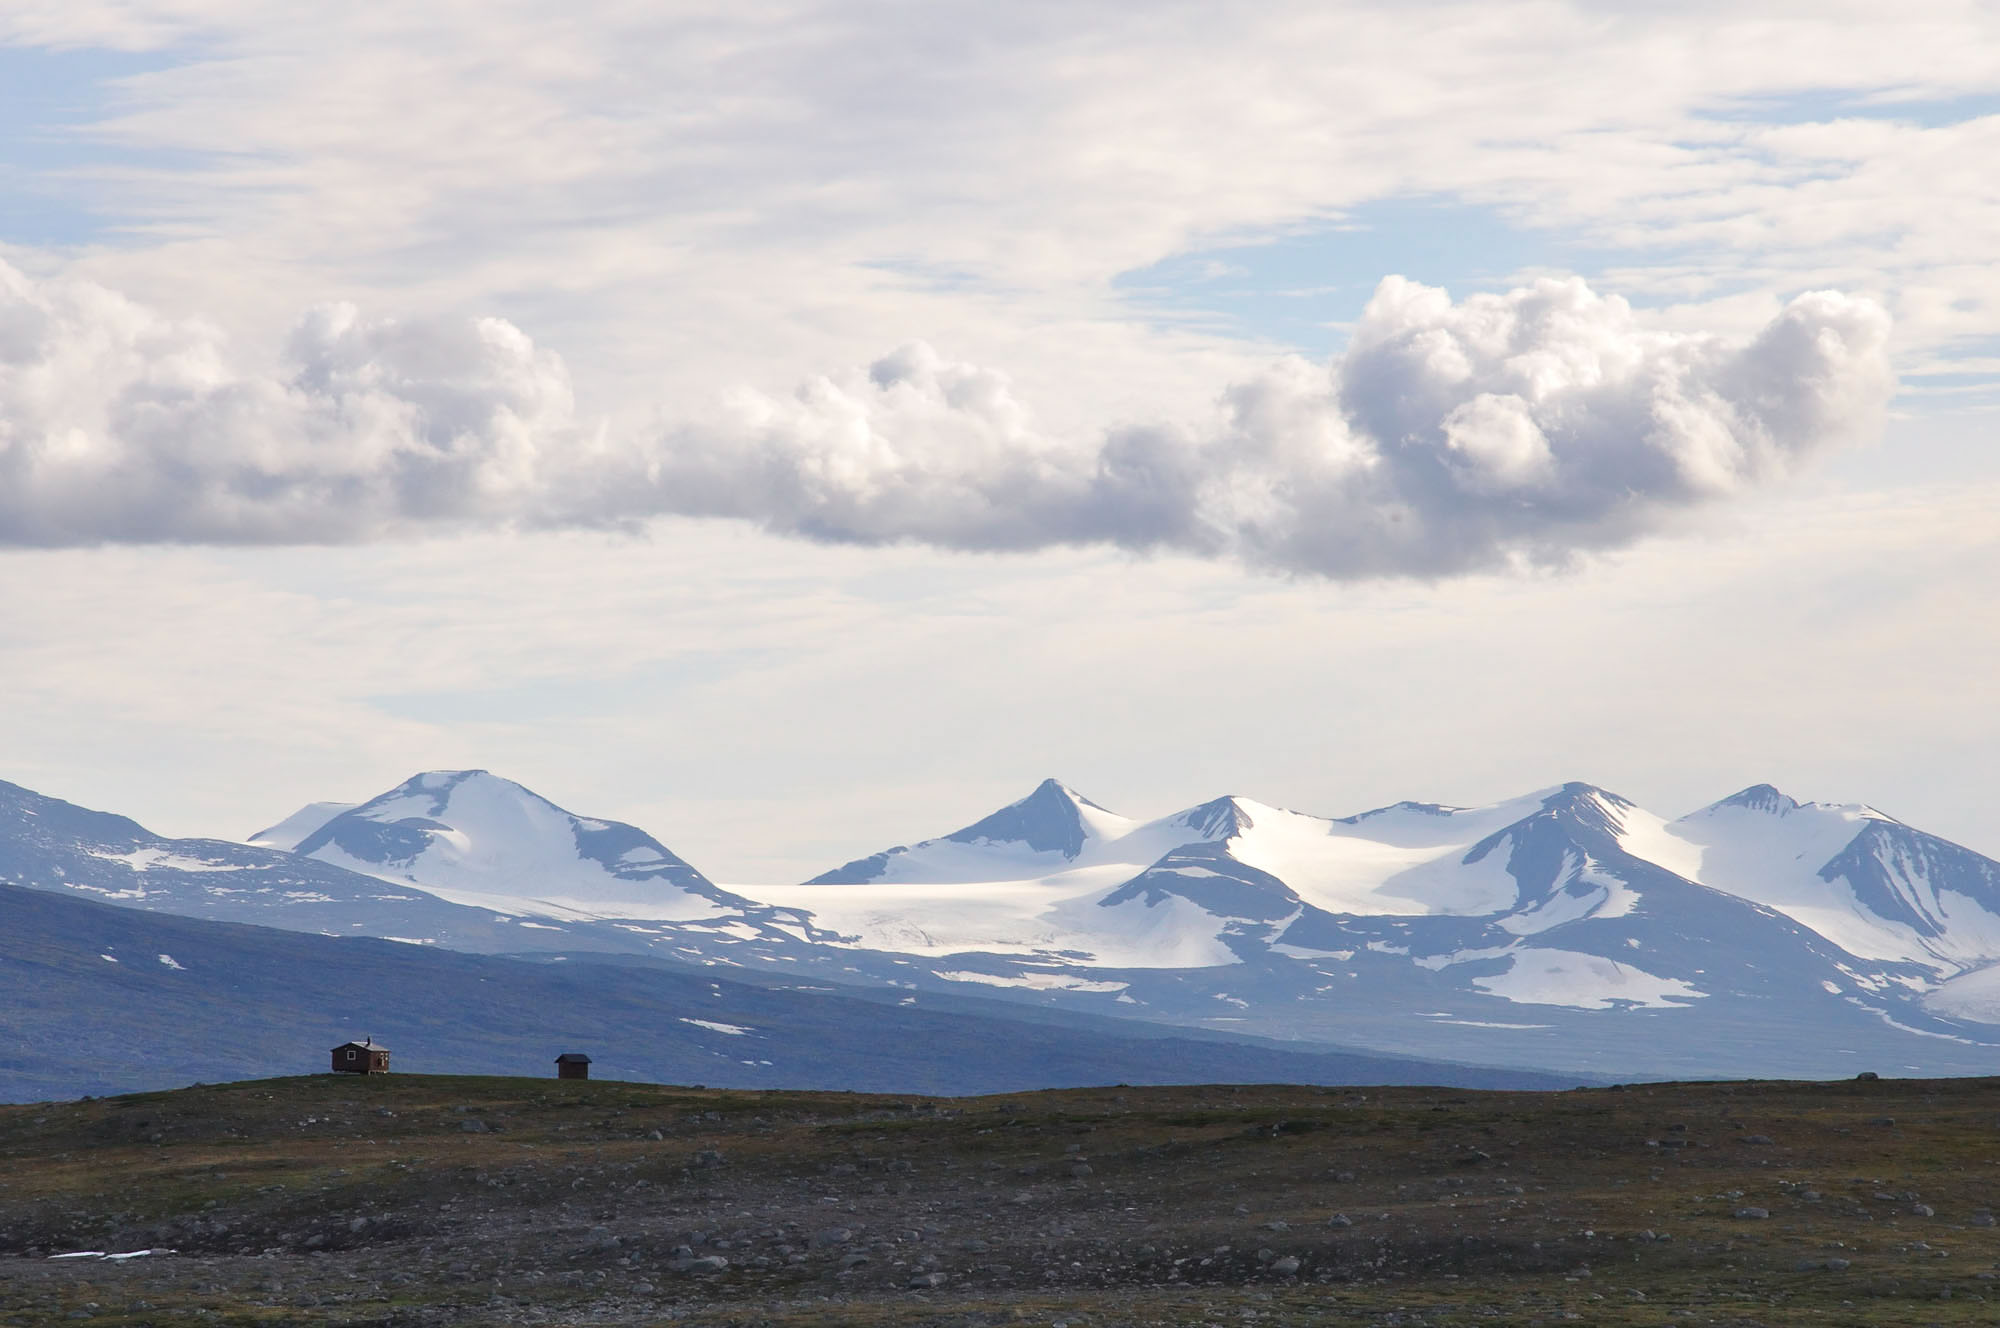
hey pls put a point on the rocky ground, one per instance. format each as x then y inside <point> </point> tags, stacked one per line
<point>424,1200</point>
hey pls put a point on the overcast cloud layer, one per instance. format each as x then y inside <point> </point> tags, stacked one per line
<point>1447,437</point>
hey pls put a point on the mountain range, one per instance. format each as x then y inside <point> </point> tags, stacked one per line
<point>1566,930</point>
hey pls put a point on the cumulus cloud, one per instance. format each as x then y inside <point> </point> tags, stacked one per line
<point>118,425</point>
<point>1449,437</point>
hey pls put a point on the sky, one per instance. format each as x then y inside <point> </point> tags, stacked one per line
<point>798,428</point>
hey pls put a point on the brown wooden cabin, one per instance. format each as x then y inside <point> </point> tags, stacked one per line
<point>365,1057</point>
<point>572,1065</point>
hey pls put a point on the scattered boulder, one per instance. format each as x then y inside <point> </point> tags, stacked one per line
<point>1288,1266</point>
<point>700,1265</point>
<point>1753,1214</point>
<point>927,1281</point>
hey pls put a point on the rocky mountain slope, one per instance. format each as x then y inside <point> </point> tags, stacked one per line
<point>1567,924</point>
<point>1566,930</point>
<point>507,837</point>
<point>101,999</point>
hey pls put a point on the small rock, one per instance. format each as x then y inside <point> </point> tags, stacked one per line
<point>707,1263</point>
<point>1923,1210</point>
<point>1278,1225</point>
<point>1867,1076</point>
<point>1340,1220</point>
<point>472,1125</point>
<point>1753,1214</point>
<point>1838,1265</point>
<point>926,1281</point>
<point>1286,1267</point>
<point>1079,1170</point>
<point>1884,1121</point>
<point>832,1236</point>
<point>852,1260</point>
<point>1759,1140</point>
<point>708,1157</point>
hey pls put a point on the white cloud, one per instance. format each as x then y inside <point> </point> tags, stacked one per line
<point>698,192</point>
<point>1449,437</point>
<point>117,424</point>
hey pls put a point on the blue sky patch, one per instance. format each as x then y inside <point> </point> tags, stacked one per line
<point>1302,290</point>
<point>49,99</point>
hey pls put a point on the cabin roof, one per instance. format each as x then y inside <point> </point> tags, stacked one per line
<point>572,1058</point>
<point>370,1045</point>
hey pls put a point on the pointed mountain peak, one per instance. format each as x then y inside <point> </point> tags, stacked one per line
<point>1055,788</point>
<point>1760,798</point>
<point>1224,818</point>
<point>1051,819</point>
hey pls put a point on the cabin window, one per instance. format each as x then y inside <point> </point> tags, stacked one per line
<point>350,1053</point>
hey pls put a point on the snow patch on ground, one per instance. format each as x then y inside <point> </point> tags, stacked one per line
<point>160,859</point>
<point>715,1026</point>
<point>1973,996</point>
<point>1033,981</point>
<point>1583,982</point>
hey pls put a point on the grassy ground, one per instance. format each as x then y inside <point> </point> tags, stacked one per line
<point>439,1200</point>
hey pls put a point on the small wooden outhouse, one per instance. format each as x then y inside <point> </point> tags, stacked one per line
<point>365,1057</point>
<point>572,1065</point>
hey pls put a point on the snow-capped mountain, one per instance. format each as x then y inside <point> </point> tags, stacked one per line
<point>1564,929</point>
<point>472,837</point>
<point>49,844</point>
<point>1550,921</point>
<point>1877,888</point>
<point>487,835</point>
<point>1044,833</point>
